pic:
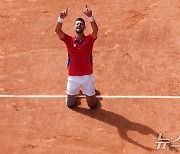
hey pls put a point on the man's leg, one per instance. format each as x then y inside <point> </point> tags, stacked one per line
<point>91,101</point>
<point>72,90</point>
<point>70,100</point>
<point>88,89</point>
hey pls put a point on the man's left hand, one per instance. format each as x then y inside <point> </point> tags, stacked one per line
<point>88,12</point>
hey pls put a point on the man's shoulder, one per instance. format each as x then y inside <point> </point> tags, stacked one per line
<point>67,37</point>
<point>90,37</point>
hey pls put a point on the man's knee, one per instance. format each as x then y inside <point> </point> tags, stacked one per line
<point>70,101</point>
<point>91,101</point>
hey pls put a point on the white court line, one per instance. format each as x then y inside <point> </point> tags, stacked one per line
<point>103,96</point>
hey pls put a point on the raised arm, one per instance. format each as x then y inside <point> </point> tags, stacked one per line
<point>94,26</point>
<point>58,28</point>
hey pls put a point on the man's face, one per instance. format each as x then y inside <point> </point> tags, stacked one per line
<point>79,27</point>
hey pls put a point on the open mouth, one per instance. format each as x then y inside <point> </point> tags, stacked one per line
<point>78,29</point>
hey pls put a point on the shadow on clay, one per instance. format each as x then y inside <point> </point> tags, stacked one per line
<point>123,125</point>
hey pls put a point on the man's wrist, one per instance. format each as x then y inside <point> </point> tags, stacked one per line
<point>60,20</point>
<point>91,19</point>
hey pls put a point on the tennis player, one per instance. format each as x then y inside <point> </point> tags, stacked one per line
<point>80,63</point>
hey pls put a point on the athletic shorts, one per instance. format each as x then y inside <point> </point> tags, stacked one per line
<point>85,83</point>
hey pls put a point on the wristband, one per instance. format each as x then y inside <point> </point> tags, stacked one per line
<point>91,19</point>
<point>60,20</point>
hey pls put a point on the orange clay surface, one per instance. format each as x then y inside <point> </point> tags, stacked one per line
<point>137,53</point>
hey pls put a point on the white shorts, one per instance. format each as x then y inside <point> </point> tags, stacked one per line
<point>85,83</point>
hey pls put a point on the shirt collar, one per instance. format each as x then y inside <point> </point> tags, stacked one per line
<point>75,38</point>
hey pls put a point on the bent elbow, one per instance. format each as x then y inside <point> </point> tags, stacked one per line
<point>56,31</point>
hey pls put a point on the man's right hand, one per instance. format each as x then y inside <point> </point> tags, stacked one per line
<point>64,13</point>
<point>58,28</point>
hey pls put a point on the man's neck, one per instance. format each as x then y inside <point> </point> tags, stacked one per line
<point>79,37</point>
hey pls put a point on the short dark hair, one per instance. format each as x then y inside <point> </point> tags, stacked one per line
<point>80,19</point>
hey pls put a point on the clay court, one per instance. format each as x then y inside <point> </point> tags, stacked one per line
<point>137,53</point>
